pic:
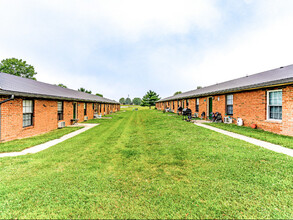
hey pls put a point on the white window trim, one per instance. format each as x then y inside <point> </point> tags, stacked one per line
<point>229,104</point>
<point>31,113</point>
<point>268,112</point>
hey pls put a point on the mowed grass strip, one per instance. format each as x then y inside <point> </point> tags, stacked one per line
<point>21,144</point>
<point>146,164</point>
<point>285,141</point>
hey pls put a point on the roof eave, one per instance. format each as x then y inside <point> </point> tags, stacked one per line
<point>233,90</point>
<point>31,95</point>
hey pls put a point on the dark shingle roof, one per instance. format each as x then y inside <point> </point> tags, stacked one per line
<point>282,75</point>
<point>15,85</point>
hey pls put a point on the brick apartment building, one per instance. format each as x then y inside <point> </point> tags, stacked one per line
<point>29,107</point>
<point>264,99</point>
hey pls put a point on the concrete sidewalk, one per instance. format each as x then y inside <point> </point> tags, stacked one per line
<point>264,144</point>
<point>41,147</point>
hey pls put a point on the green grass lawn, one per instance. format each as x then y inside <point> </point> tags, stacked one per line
<point>285,141</point>
<point>131,107</point>
<point>21,144</point>
<point>146,164</point>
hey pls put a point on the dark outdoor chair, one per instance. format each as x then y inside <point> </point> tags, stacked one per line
<point>217,117</point>
<point>203,114</point>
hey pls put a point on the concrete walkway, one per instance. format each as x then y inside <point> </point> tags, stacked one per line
<point>264,144</point>
<point>38,148</point>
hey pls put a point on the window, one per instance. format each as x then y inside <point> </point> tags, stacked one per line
<point>275,105</point>
<point>197,105</point>
<point>60,110</point>
<point>182,103</point>
<point>229,108</point>
<point>93,106</point>
<point>28,110</point>
<point>173,105</point>
<point>85,108</point>
<point>187,102</point>
<point>104,107</point>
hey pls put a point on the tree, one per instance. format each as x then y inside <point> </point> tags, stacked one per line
<point>136,101</point>
<point>128,101</point>
<point>18,68</point>
<point>84,90</point>
<point>198,87</point>
<point>150,98</point>
<point>62,85</point>
<point>98,94</point>
<point>122,101</point>
<point>178,92</point>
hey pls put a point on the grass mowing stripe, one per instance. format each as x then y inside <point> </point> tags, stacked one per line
<point>171,169</point>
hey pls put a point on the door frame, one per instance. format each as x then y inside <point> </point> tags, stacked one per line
<point>208,107</point>
<point>74,104</point>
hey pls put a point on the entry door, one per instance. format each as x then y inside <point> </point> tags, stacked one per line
<point>210,107</point>
<point>74,110</point>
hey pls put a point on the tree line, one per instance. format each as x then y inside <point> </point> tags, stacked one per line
<point>128,101</point>
<point>149,99</point>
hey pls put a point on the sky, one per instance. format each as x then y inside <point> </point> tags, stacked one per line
<point>127,47</point>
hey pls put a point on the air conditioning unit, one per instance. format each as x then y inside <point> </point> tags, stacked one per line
<point>85,118</point>
<point>227,120</point>
<point>239,122</point>
<point>61,124</point>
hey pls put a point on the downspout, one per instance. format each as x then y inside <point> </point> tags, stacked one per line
<point>7,100</point>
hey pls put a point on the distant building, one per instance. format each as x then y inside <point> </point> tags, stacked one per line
<point>29,107</point>
<point>264,99</point>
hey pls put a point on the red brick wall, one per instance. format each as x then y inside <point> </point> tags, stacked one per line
<point>90,111</point>
<point>103,110</point>
<point>44,120</point>
<point>67,112</point>
<point>80,111</point>
<point>107,109</point>
<point>219,104</point>
<point>191,105</point>
<point>287,128</point>
<point>251,106</point>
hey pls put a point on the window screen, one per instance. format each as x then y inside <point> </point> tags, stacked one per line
<point>60,110</point>
<point>28,110</point>
<point>275,105</point>
<point>229,104</point>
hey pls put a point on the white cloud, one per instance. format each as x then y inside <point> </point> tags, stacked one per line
<point>58,37</point>
<point>135,18</point>
<point>263,45</point>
